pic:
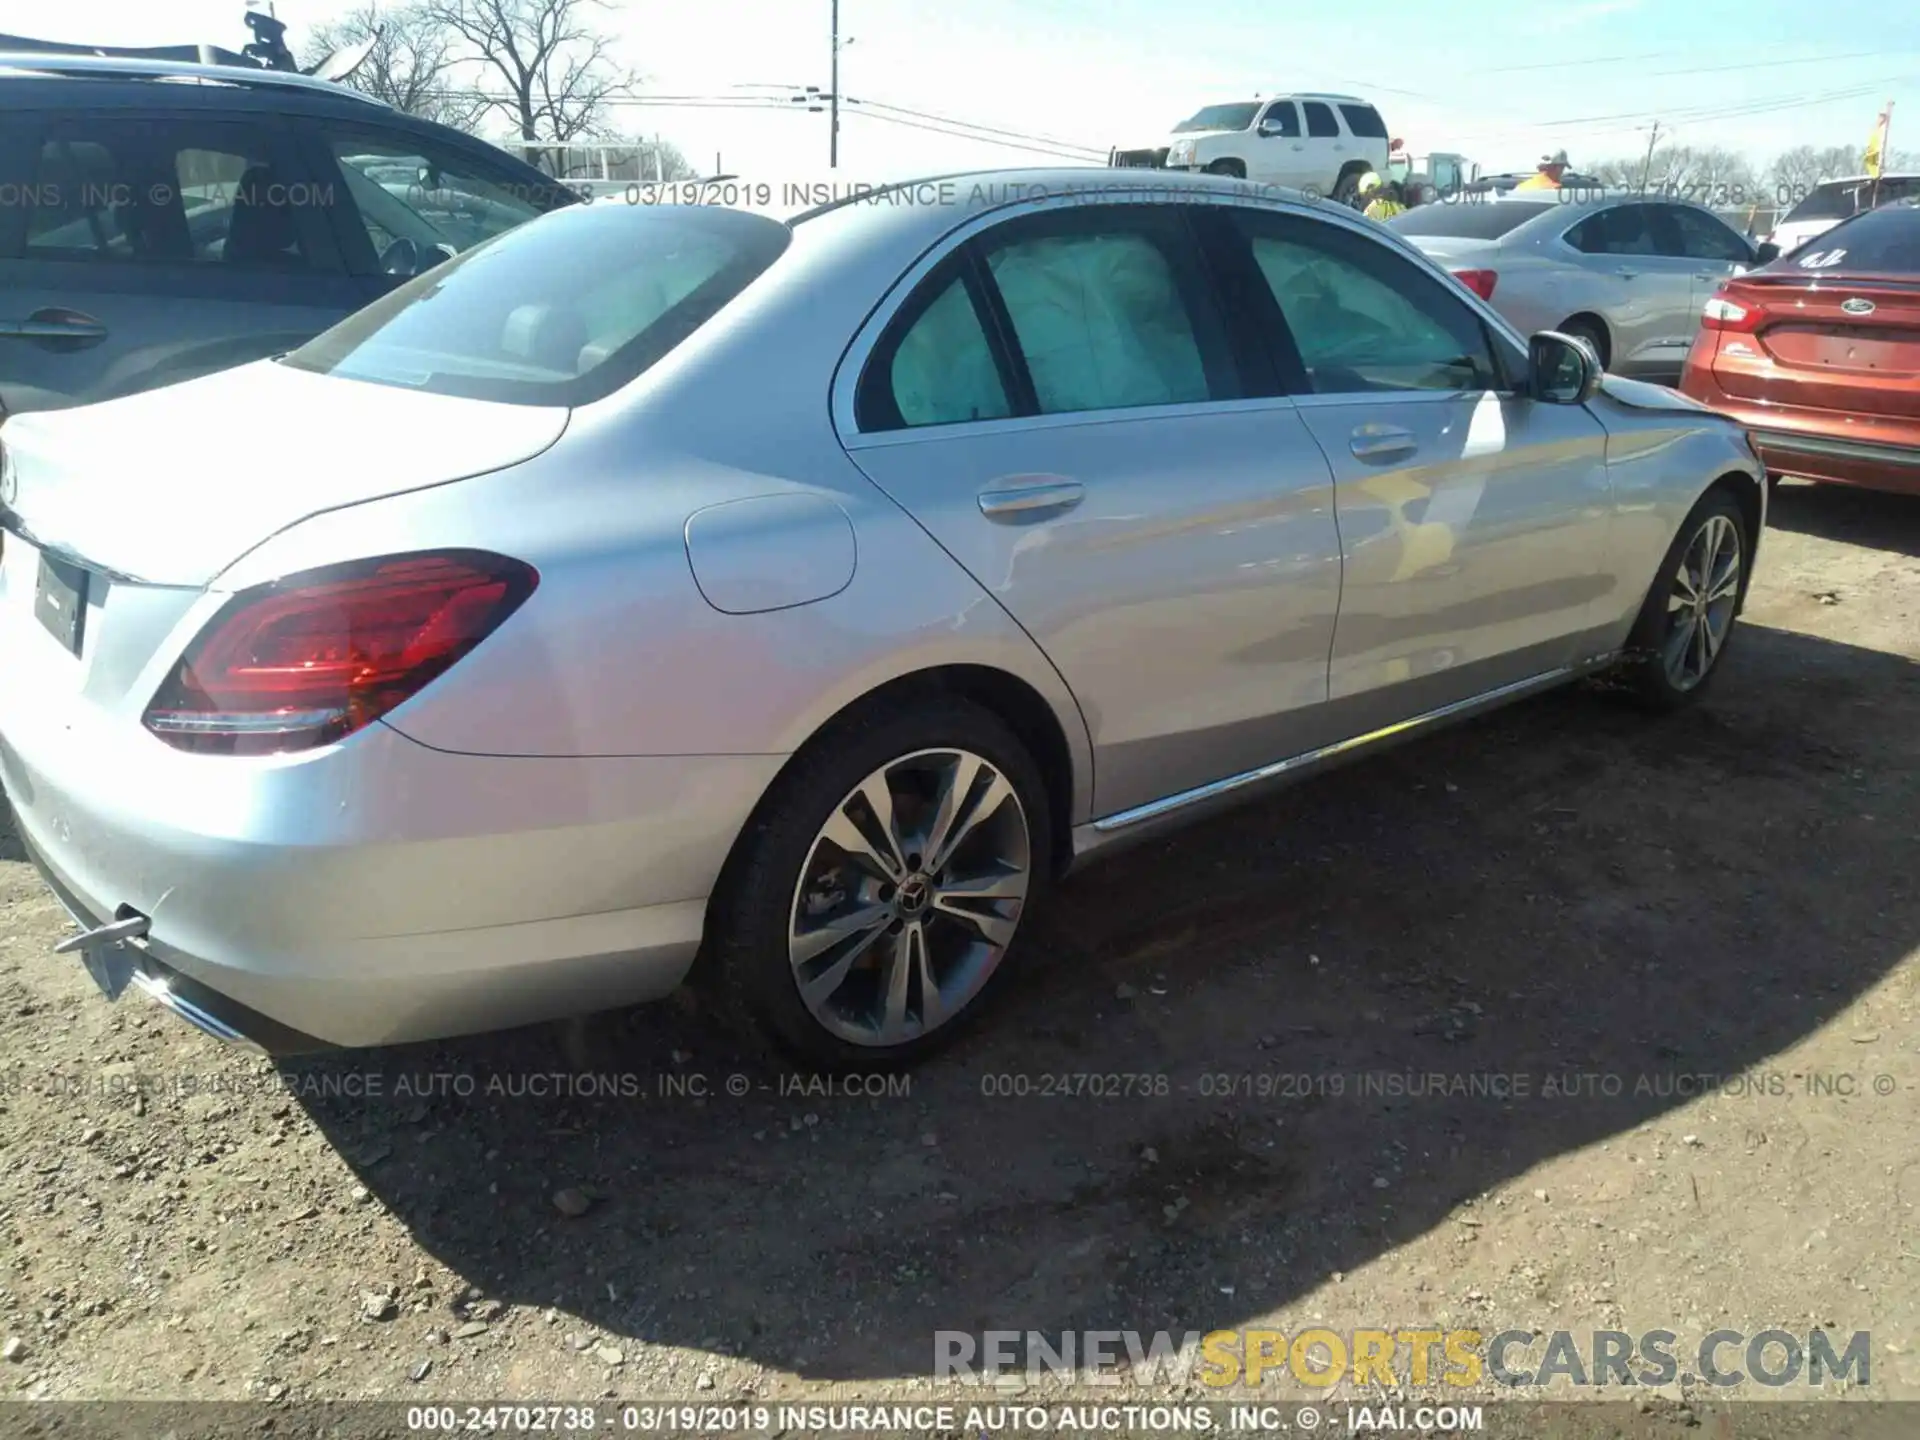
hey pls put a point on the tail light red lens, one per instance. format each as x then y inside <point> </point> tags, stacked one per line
<point>308,660</point>
<point>1480,282</point>
<point>1720,313</point>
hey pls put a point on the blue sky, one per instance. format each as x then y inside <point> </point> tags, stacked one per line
<point>1501,80</point>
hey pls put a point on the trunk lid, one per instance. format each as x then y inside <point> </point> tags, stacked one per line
<point>1457,252</point>
<point>171,486</point>
<point>1839,343</point>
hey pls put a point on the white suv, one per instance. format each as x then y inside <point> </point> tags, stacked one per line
<point>1319,143</point>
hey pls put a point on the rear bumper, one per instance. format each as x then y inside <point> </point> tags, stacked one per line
<point>379,891</point>
<point>1838,460</point>
<point>1873,452</point>
<point>170,988</point>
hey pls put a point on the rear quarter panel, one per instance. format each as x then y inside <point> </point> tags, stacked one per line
<point>618,652</point>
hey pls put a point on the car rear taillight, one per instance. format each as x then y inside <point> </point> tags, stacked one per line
<point>1720,313</point>
<point>1480,282</point>
<point>308,660</point>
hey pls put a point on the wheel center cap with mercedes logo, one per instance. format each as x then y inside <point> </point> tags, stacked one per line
<point>914,893</point>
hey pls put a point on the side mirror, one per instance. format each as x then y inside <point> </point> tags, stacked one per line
<point>1270,128</point>
<point>1563,369</point>
<point>1766,254</point>
<point>402,257</point>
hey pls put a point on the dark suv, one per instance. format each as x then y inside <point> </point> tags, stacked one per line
<point>161,220</point>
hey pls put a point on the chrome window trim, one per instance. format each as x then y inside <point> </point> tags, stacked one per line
<point>853,360</point>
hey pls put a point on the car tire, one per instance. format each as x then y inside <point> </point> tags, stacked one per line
<point>1233,168</point>
<point>1346,188</point>
<point>1586,330</point>
<point>1680,642</point>
<point>789,907</point>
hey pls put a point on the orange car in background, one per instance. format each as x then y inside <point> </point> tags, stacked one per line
<point>1818,355</point>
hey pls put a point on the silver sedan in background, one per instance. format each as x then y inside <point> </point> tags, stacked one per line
<point>659,591</point>
<point>1628,274</point>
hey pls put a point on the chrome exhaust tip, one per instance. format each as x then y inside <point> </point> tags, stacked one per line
<point>159,989</point>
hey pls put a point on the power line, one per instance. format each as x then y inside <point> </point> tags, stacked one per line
<point>1100,150</point>
<point>1582,62</point>
<point>1771,64</point>
<point>868,114</point>
<point>1701,114</point>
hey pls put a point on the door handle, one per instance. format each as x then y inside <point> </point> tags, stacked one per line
<point>1373,442</point>
<point>44,325</point>
<point>1026,498</point>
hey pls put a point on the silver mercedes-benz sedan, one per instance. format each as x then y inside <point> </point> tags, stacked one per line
<point>668,592</point>
<point>1627,273</point>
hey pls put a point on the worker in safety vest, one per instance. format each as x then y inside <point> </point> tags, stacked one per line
<point>1547,177</point>
<point>1379,198</point>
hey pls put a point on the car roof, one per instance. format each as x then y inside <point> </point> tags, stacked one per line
<point>1289,95</point>
<point>35,78</point>
<point>1868,179</point>
<point>928,207</point>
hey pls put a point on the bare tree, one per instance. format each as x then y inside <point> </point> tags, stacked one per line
<point>1794,172</point>
<point>1712,174</point>
<point>542,64</point>
<point>408,65</point>
<point>1623,173</point>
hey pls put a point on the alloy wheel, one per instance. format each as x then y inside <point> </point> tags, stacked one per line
<point>909,897</point>
<point>1700,606</point>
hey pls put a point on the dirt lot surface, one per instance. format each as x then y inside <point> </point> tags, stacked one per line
<point>1568,894</point>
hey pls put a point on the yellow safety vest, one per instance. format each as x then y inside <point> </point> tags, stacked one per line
<point>1384,209</point>
<point>1538,182</point>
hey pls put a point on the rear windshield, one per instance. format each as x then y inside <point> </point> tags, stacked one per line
<point>1468,220</point>
<point>1881,242</point>
<point>562,311</point>
<point>1219,117</point>
<point>1837,199</point>
<point>1365,122</point>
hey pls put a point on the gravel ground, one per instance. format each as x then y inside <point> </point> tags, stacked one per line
<point>1566,892</point>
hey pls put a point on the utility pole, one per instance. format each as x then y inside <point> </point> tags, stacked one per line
<point>1646,170</point>
<point>833,96</point>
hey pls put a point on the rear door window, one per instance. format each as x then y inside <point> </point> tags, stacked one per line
<point>1617,230</point>
<point>936,366</point>
<point>80,193</point>
<point>1320,122</point>
<point>1364,121</point>
<point>224,194</point>
<point>1108,309</point>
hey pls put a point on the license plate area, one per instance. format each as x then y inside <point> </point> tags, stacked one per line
<point>60,600</point>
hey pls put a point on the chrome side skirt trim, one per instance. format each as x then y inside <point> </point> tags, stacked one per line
<point>1155,809</point>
